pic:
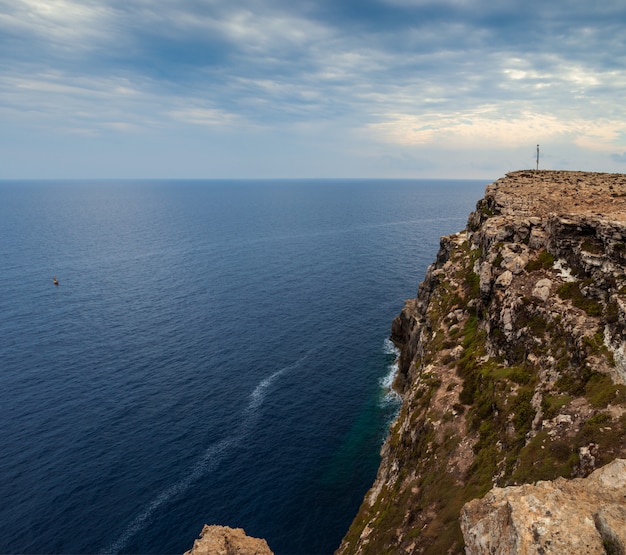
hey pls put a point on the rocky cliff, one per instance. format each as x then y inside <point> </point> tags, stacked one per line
<point>512,364</point>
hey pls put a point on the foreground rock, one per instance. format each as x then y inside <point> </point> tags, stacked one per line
<point>564,517</point>
<point>512,361</point>
<point>222,540</point>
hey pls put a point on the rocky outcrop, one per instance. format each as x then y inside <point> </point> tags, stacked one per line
<point>513,360</point>
<point>222,540</point>
<point>562,517</point>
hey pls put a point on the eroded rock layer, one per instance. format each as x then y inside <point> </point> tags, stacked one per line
<point>222,540</point>
<point>513,359</point>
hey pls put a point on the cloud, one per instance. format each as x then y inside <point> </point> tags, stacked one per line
<point>61,102</point>
<point>483,127</point>
<point>64,25</point>
<point>205,116</point>
<point>53,17</point>
<point>444,74</point>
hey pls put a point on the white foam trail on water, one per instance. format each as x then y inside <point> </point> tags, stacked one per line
<point>260,391</point>
<point>211,458</point>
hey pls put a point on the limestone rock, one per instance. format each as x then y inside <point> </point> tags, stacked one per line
<point>504,279</point>
<point>485,279</point>
<point>515,257</point>
<point>507,320</point>
<point>561,517</point>
<point>222,540</point>
<point>542,289</point>
<point>538,238</point>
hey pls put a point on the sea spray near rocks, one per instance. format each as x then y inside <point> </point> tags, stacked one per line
<point>390,397</point>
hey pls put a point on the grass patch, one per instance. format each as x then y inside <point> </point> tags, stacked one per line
<point>619,247</point>
<point>544,459</point>
<point>519,374</point>
<point>606,433</point>
<point>573,380</point>
<point>571,291</point>
<point>522,375</point>
<point>431,380</point>
<point>482,471</point>
<point>592,247</point>
<point>536,324</point>
<point>544,261</point>
<point>473,348</point>
<point>524,412</point>
<point>485,210</point>
<point>594,345</point>
<point>472,284</point>
<point>600,391</point>
<point>442,494</point>
<point>552,404</point>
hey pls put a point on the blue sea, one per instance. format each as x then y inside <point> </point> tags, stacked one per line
<point>215,352</point>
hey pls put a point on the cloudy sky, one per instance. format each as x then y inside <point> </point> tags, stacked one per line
<point>310,88</point>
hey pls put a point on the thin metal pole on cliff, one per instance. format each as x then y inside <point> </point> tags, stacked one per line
<point>537,156</point>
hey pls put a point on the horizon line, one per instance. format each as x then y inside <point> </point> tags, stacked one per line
<point>5,179</point>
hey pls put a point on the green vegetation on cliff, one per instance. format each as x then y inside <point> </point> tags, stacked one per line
<point>509,371</point>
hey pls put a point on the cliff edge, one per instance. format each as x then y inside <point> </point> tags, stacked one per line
<point>512,363</point>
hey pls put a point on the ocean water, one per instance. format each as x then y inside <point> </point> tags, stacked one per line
<point>215,352</point>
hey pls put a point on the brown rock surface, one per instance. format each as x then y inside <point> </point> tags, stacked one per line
<point>563,517</point>
<point>222,540</point>
<point>540,193</point>
<point>512,361</point>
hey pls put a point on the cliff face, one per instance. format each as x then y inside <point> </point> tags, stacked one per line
<point>513,359</point>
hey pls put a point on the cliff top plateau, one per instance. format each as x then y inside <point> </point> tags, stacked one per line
<point>541,193</point>
<point>512,369</point>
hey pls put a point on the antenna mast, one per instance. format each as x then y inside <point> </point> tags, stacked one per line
<point>537,156</point>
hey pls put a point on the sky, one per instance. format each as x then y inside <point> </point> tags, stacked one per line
<point>310,88</point>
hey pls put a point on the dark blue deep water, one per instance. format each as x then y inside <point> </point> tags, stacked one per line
<point>215,352</point>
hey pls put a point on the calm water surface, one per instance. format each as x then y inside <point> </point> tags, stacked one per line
<point>215,352</point>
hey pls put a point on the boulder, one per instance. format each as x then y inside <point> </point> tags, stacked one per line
<point>583,516</point>
<point>514,258</point>
<point>504,279</point>
<point>542,289</point>
<point>222,540</point>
